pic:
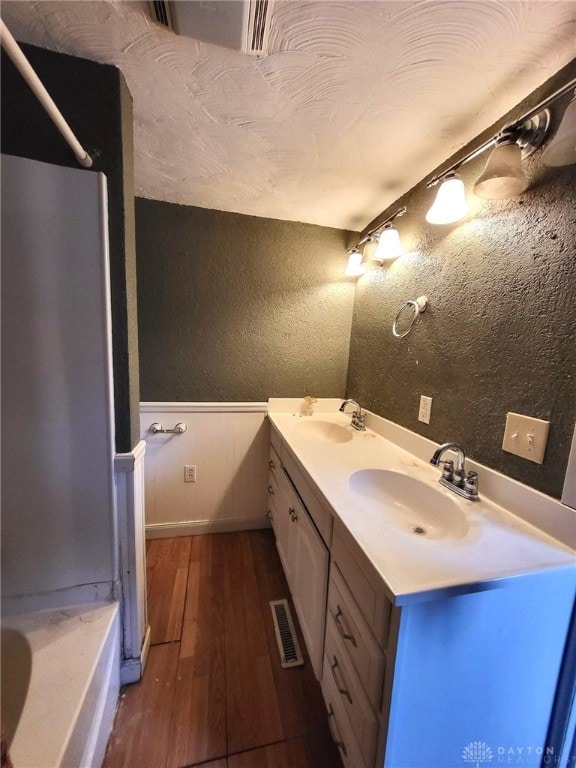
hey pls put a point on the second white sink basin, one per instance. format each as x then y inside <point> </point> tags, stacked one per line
<point>410,505</point>
<point>324,431</point>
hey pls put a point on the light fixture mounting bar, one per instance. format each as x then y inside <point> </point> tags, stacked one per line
<point>570,86</point>
<point>380,227</point>
<point>510,127</point>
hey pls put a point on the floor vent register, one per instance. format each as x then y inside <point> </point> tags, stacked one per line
<point>290,654</point>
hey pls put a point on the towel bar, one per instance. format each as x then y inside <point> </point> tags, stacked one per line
<point>158,429</point>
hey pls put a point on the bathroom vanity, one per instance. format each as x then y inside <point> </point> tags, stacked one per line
<point>436,625</point>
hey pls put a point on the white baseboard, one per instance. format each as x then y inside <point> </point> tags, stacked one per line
<point>193,527</point>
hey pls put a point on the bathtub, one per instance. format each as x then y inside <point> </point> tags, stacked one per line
<point>60,682</point>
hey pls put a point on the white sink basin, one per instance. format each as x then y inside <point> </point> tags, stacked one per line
<point>410,505</point>
<point>325,431</point>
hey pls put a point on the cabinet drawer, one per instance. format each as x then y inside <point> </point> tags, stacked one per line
<point>322,517</point>
<point>357,638</point>
<point>363,721</point>
<point>339,725</point>
<point>363,583</point>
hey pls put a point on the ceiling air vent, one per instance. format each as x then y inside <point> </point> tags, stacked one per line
<point>161,12</point>
<point>242,25</point>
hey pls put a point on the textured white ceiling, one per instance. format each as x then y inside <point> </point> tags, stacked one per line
<point>356,102</point>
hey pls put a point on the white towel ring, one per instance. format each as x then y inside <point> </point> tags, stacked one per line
<point>419,305</point>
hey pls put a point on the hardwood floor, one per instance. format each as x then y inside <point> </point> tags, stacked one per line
<point>214,692</point>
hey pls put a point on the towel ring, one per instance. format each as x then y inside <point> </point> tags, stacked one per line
<point>419,306</point>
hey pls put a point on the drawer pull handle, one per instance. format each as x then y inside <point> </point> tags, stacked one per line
<point>335,736</point>
<point>341,689</point>
<point>271,464</point>
<point>271,490</point>
<point>269,515</point>
<point>292,513</point>
<point>341,630</point>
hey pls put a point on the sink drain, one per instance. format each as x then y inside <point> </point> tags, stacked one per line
<point>419,531</point>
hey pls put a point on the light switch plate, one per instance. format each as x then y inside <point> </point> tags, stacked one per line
<point>525,437</point>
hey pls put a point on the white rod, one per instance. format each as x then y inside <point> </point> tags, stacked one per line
<point>25,68</point>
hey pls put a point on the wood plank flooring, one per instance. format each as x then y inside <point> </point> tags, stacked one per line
<point>214,693</point>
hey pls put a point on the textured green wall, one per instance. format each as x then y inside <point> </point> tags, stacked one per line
<point>239,308</point>
<point>500,331</point>
<point>96,103</point>
<point>236,307</point>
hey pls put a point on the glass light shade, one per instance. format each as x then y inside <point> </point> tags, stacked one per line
<point>389,245</point>
<point>503,175</point>
<point>562,148</point>
<point>354,268</point>
<point>450,204</point>
<point>369,251</point>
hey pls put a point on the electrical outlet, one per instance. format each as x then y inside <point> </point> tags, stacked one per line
<point>425,409</point>
<point>525,437</point>
<point>189,473</point>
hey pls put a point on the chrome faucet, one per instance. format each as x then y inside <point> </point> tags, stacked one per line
<point>357,417</point>
<point>455,477</point>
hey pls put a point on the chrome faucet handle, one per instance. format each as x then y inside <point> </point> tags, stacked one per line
<point>448,470</point>
<point>471,484</point>
<point>458,480</point>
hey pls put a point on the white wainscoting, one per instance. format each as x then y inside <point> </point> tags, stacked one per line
<point>229,444</point>
<point>129,478</point>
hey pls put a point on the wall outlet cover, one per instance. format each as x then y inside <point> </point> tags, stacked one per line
<point>525,436</point>
<point>425,409</point>
<point>189,473</point>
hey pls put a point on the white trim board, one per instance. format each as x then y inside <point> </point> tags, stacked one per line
<point>172,407</point>
<point>125,462</point>
<point>193,527</point>
<point>131,670</point>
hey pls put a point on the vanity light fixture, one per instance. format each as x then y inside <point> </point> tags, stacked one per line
<point>369,249</point>
<point>389,245</point>
<point>562,148</point>
<point>503,175</point>
<point>354,267</point>
<point>450,204</point>
<point>383,247</point>
<point>383,242</point>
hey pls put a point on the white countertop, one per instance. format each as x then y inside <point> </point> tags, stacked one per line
<point>496,544</point>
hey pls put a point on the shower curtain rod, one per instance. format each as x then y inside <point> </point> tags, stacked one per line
<point>25,68</point>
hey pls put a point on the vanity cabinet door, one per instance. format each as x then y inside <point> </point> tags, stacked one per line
<point>278,490</point>
<point>308,580</point>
